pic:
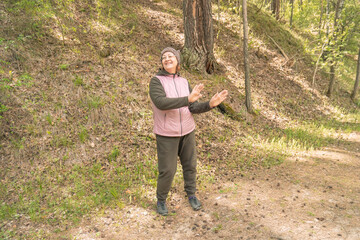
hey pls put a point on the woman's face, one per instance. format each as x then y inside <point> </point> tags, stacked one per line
<point>169,62</point>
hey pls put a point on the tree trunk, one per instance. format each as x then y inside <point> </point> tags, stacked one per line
<point>333,62</point>
<point>292,12</point>
<point>339,7</point>
<point>276,8</point>
<point>199,38</point>
<point>357,79</point>
<point>327,18</point>
<point>332,79</point>
<point>246,65</point>
<point>321,15</point>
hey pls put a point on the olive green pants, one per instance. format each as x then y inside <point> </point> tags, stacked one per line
<point>168,149</point>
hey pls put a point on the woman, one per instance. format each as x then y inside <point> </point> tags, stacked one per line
<point>173,103</point>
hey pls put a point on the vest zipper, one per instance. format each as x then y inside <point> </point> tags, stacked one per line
<point>179,108</point>
<point>164,120</point>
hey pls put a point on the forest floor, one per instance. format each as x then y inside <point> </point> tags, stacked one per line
<point>312,195</point>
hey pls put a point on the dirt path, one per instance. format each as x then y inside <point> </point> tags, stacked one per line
<point>313,195</point>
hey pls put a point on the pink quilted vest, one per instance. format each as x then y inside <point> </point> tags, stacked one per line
<point>174,122</point>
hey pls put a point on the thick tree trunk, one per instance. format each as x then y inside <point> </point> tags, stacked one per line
<point>199,38</point>
<point>246,64</point>
<point>357,79</point>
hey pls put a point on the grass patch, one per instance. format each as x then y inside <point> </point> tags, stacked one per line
<point>83,134</point>
<point>304,139</point>
<point>93,102</point>
<point>78,81</point>
<point>277,146</point>
<point>351,123</point>
<point>61,141</point>
<point>60,196</point>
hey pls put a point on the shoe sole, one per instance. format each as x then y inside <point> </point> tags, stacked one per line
<point>197,209</point>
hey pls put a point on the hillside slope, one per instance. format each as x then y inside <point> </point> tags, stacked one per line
<point>76,119</point>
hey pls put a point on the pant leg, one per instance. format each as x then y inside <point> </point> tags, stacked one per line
<point>187,154</point>
<point>167,150</point>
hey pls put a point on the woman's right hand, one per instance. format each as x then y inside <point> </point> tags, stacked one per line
<point>196,93</point>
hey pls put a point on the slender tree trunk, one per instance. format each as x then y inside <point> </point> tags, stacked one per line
<point>333,63</point>
<point>332,79</point>
<point>292,12</point>
<point>246,64</point>
<point>327,18</point>
<point>321,15</point>
<point>199,38</point>
<point>357,79</point>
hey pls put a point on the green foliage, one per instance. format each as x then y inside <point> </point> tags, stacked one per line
<point>114,154</point>
<point>24,80</point>
<point>230,5</point>
<point>92,102</point>
<point>3,109</point>
<point>49,119</point>
<point>78,81</point>
<point>64,66</point>
<point>18,143</point>
<point>5,84</point>
<point>83,134</point>
<point>59,141</point>
<point>264,26</point>
<point>305,15</point>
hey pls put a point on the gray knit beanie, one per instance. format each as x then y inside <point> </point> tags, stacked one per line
<point>175,52</point>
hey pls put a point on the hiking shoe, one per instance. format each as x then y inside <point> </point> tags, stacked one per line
<point>161,208</point>
<point>195,203</point>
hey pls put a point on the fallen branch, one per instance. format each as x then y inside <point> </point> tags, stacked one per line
<point>277,45</point>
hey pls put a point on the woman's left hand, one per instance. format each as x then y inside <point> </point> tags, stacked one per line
<point>218,98</point>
